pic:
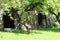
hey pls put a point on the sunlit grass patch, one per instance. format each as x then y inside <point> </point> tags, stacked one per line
<point>36,35</point>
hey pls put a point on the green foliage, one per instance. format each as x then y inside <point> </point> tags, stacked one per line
<point>21,4</point>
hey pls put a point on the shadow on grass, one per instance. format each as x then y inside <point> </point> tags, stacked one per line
<point>20,32</point>
<point>25,32</point>
<point>36,31</point>
<point>51,29</point>
<point>15,31</point>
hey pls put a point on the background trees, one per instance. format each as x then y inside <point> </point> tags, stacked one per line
<point>29,9</point>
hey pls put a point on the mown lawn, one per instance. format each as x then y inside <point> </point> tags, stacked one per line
<point>36,35</point>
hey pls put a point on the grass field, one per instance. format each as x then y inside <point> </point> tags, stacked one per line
<point>36,35</point>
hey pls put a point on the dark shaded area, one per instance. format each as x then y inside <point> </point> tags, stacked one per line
<point>20,32</point>
<point>32,6</point>
<point>51,29</point>
<point>15,15</point>
<point>8,23</point>
<point>45,21</point>
<point>59,17</point>
<point>40,18</point>
<point>41,21</point>
<point>25,32</point>
<point>37,31</point>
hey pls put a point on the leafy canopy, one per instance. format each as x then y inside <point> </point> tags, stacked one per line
<point>22,4</point>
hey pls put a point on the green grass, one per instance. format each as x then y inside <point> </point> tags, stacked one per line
<point>36,35</point>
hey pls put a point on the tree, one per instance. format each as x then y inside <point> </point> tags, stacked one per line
<point>29,8</point>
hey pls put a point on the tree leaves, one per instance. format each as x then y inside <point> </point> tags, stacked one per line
<point>22,4</point>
